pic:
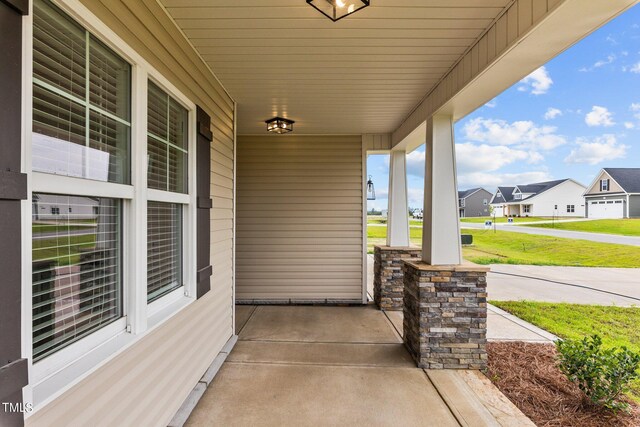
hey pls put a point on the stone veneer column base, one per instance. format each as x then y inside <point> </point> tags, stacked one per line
<point>445,315</point>
<point>388,284</point>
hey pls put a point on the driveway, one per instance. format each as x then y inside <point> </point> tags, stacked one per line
<point>594,237</point>
<point>578,285</point>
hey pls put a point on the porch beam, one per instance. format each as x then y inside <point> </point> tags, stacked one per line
<point>526,36</point>
<point>398,213</point>
<point>441,224</point>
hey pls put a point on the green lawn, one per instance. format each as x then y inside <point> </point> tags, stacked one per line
<point>625,227</point>
<point>65,254</point>
<point>503,247</point>
<point>501,219</point>
<point>618,326</point>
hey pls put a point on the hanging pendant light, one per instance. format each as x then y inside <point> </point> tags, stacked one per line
<point>371,192</point>
<point>338,9</point>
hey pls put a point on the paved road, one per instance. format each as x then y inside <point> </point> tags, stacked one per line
<point>594,237</point>
<point>579,285</point>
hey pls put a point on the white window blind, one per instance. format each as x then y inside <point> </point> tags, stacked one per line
<point>81,101</point>
<point>164,248</point>
<point>167,142</point>
<point>77,277</point>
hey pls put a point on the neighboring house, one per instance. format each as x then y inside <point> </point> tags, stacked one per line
<point>560,198</point>
<point>474,202</point>
<point>615,193</point>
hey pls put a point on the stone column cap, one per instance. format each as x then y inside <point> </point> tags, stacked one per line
<point>396,248</point>
<point>464,267</point>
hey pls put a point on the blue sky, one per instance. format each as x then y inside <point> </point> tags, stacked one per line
<point>577,114</point>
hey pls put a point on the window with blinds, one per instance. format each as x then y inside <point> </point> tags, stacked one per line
<point>81,101</point>
<point>167,142</point>
<point>164,248</point>
<point>76,271</point>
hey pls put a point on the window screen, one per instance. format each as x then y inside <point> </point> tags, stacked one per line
<point>164,248</point>
<point>167,142</point>
<point>81,101</point>
<point>77,265</point>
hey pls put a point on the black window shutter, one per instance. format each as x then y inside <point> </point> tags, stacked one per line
<point>203,192</point>
<point>13,189</point>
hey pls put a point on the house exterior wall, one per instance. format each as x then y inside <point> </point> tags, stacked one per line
<point>613,186</point>
<point>634,206</point>
<point>300,218</point>
<point>474,204</point>
<point>567,193</point>
<point>146,383</point>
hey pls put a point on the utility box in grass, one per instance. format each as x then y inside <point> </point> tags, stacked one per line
<point>467,239</point>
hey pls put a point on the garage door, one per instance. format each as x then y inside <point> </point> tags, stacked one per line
<point>606,209</point>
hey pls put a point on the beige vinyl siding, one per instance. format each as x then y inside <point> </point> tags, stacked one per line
<point>147,383</point>
<point>613,186</point>
<point>300,218</point>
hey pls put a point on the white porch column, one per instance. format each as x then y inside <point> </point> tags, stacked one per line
<point>441,228</point>
<point>398,214</point>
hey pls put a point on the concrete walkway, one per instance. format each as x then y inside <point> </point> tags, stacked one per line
<point>594,237</point>
<point>334,366</point>
<point>577,285</point>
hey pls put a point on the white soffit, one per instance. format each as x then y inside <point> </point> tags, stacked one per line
<point>363,74</point>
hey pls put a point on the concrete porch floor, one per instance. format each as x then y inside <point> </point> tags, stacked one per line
<point>316,365</point>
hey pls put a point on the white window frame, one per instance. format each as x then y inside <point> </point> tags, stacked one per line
<point>526,208</point>
<point>604,185</point>
<point>53,375</point>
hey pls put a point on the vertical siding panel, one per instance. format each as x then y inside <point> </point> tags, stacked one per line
<point>512,23</point>
<point>539,10</point>
<point>300,208</point>
<point>525,15</point>
<point>501,34</point>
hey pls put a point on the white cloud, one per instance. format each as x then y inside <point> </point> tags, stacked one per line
<point>524,135</point>
<point>629,125</point>
<point>415,163</point>
<point>552,113</point>
<point>601,63</point>
<point>635,68</point>
<point>491,104</point>
<point>635,107</point>
<point>488,158</point>
<point>539,82</point>
<point>492,180</point>
<point>596,150</point>
<point>599,116</point>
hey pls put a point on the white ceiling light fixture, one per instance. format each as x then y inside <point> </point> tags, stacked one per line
<point>338,9</point>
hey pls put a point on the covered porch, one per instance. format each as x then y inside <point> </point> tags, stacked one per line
<point>267,231</point>
<point>295,365</point>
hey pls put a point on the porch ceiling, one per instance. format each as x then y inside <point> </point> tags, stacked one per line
<point>363,74</point>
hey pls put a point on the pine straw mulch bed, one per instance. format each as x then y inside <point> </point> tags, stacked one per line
<point>527,374</point>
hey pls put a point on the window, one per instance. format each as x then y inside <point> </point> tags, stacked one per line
<point>167,148</point>
<point>76,269</point>
<point>81,101</point>
<point>604,185</point>
<point>517,196</point>
<point>571,208</point>
<point>86,254</point>
<point>485,202</point>
<point>164,248</point>
<point>618,201</point>
<point>166,142</point>
<point>81,130</point>
<point>526,208</point>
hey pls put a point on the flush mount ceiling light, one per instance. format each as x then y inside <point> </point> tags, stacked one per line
<point>279,125</point>
<point>338,9</point>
